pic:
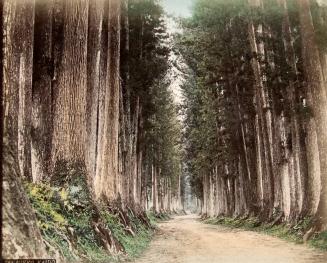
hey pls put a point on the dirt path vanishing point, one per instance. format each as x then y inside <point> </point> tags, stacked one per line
<point>186,240</point>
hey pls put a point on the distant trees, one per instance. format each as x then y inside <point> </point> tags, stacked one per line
<point>255,108</point>
<point>150,141</point>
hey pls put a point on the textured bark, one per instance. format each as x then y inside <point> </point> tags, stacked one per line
<point>114,85</point>
<point>316,88</point>
<point>10,72</point>
<point>248,179</point>
<point>69,138</point>
<point>125,104</point>
<point>42,94</point>
<point>144,186</point>
<point>265,131</point>
<point>94,82</point>
<point>108,173</point>
<point>133,150</point>
<point>18,57</point>
<point>288,155</point>
<point>102,102</point>
<point>263,122</point>
<point>139,177</point>
<point>313,161</point>
<point>21,237</point>
<point>259,161</point>
<point>323,59</point>
<point>154,189</point>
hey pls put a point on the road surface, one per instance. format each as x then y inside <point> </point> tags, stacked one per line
<point>186,240</point>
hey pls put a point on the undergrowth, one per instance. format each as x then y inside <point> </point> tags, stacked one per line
<point>293,233</point>
<point>133,245</point>
<point>65,213</point>
<point>157,217</point>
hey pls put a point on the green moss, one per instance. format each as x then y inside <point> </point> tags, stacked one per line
<point>133,245</point>
<point>65,213</point>
<point>157,217</point>
<point>152,217</point>
<point>284,231</point>
<point>64,217</point>
<point>319,241</point>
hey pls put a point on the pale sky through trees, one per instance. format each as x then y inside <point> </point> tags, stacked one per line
<point>178,7</point>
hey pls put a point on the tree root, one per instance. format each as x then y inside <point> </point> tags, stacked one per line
<point>130,231</point>
<point>109,242</point>
<point>123,218</point>
<point>70,246</point>
<point>57,254</point>
<point>204,216</point>
<point>309,234</point>
<point>144,218</point>
<point>278,220</point>
<point>105,235</point>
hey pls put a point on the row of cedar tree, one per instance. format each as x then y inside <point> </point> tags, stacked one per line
<point>84,83</point>
<point>256,108</point>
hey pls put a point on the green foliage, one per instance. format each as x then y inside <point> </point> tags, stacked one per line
<point>148,56</point>
<point>319,241</point>
<point>149,53</point>
<point>152,217</point>
<point>163,134</point>
<point>293,233</point>
<point>220,89</point>
<point>133,245</point>
<point>216,48</point>
<point>158,217</point>
<point>65,213</point>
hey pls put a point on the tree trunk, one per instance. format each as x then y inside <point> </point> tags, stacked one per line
<point>264,117</point>
<point>42,93</point>
<point>108,173</point>
<point>19,231</point>
<point>126,103</point>
<point>18,60</point>
<point>94,83</point>
<point>69,138</point>
<point>315,80</point>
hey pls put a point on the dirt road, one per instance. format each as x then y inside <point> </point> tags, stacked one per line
<point>186,240</point>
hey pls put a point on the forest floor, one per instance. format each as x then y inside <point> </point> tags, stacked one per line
<point>185,239</point>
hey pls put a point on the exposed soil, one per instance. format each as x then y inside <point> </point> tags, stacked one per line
<point>186,240</point>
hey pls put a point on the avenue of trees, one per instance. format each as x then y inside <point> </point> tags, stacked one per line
<point>256,109</point>
<point>86,89</point>
<point>84,85</point>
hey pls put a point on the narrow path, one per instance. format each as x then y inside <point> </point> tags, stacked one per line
<point>186,240</point>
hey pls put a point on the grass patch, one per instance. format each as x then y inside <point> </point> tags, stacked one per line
<point>319,241</point>
<point>64,216</point>
<point>153,219</point>
<point>65,213</point>
<point>133,245</point>
<point>284,231</point>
